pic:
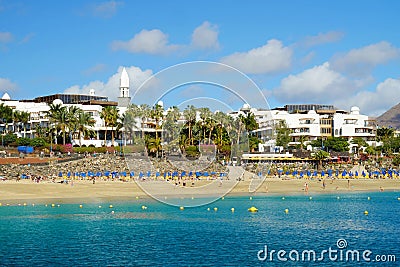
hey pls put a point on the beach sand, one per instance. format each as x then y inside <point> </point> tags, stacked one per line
<point>24,191</point>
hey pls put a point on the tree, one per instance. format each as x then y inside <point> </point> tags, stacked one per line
<point>110,116</point>
<point>81,122</point>
<point>59,116</point>
<point>190,116</point>
<point>157,114</point>
<point>249,122</point>
<point>6,114</point>
<point>338,144</point>
<point>283,135</point>
<point>320,155</point>
<point>359,142</point>
<point>302,140</point>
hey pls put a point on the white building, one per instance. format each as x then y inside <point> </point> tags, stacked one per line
<point>91,104</point>
<point>310,122</point>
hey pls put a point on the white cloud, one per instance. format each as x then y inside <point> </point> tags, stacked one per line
<point>322,38</point>
<point>105,9</point>
<point>111,88</point>
<point>5,37</point>
<point>375,103</point>
<point>150,42</point>
<point>7,86</point>
<point>319,84</point>
<point>272,57</point>
<point>205,36</point>
<point>360,61</point>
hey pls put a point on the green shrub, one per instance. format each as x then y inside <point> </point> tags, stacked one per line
<point>23,141</point>
<point>9,138</point>
<point>38,142</point>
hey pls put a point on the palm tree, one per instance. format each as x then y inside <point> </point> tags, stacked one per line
<point>205,115</point>
<point>190,116</point>
<point>24,118</point>
<point>320,155</point>
<point>59,116</point>
<point>157,114</point>
<point>82,121</point>
<point>110,116</point>
<point>302,140</point>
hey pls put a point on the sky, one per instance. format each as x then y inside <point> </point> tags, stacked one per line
<point>223,53</point>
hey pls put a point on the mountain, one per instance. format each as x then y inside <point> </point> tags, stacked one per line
<point>390,118</point>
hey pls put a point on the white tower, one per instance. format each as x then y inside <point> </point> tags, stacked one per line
<point>124,99</point>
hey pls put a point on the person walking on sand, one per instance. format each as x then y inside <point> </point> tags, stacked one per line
<point>323,184</point>
<point>306,188</point>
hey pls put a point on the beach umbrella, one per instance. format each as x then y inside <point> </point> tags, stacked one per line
<point>60,174</point>
<point>148,173</point>
<point>132,173</point>
<point>140,174</point>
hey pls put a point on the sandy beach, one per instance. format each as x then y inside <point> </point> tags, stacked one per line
<point>13,192</point>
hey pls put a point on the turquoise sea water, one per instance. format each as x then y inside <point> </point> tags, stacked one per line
<point>163,235</point>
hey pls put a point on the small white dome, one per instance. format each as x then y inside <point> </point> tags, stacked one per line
<point>92,92</point>
<point>246,106</point>
<point>57,102</point>
<point>6,96</point>
<point>160,103</point>
<point>355,110</point>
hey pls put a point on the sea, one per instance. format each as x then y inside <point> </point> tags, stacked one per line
<point>352,229</point>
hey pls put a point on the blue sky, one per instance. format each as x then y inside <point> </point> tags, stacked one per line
<point>344,53</point>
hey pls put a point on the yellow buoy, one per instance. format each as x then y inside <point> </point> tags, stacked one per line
<point>208,209</point>
<point>1,204</point>
<point>250,198</point>
<point>99,207</point>
<point>112,212</point>
<point>369,198</point>
<point>215,209</point>
<point>137,197</point>
<point>283,198</point>
<point>144,207</point>
<point>181,208</point>
<point>80,206</point>
<point>24,204</point>
<point>286,211</point>
<point>366,212</point>
<point>192,197</point>
<point>45,205</point>
<point>398,198</point>
<point>338,197</point>
<point>233,209</point>
<point>33,204</point>
<point>111,206</point>
<point>253,209</point>
<point>53,205</point>
<point>223,198</point>
<point>310,198</point>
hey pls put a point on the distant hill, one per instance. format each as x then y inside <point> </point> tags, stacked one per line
<point>390,118</point>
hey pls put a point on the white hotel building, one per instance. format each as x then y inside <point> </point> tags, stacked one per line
<point>310,122</point>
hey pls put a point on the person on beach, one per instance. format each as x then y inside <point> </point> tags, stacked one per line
<point>323,184</point>
<point>306,188</point>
